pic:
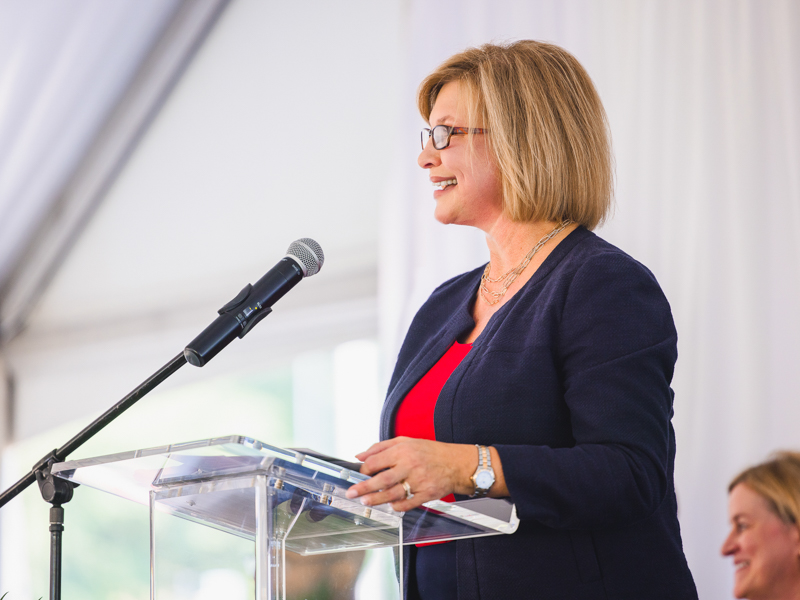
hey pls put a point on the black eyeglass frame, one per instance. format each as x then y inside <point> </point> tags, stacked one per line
<point>451,131</point>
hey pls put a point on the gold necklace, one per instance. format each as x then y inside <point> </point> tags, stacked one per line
<point>491,297</point>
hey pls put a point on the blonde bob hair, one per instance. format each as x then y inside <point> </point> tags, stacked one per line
<point>778,481</point>
<point>548,131</point>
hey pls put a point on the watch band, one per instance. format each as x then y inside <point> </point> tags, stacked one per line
<point>484,477</point>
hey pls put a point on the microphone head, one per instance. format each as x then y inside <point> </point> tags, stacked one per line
<point>308,254</point>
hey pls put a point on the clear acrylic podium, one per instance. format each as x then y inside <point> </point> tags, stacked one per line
<point>283,500</point>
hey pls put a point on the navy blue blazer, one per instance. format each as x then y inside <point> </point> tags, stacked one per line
<point>570,382</point>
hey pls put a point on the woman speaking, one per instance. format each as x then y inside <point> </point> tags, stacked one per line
<point>544,375</point>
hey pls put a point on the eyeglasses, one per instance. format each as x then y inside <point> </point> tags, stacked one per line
<point>441,135</point>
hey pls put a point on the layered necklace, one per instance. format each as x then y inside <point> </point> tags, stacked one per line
<point>492,297</point>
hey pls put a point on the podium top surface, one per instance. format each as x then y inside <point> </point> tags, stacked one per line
<point>213,482</point>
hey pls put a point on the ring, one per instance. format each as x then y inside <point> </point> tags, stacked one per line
<point>407,488</point>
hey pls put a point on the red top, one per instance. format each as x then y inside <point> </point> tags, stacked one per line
<point>415,415</point>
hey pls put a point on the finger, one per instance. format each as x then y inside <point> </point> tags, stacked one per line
<point>386,459</point>
<point>417,499</point>
<point>376,448</point>
<point>381,481</point>
<point>406,505</point>
<point>393,494</point>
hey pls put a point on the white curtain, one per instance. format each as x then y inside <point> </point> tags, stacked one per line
<point>704,102</point>
<point>63,67</point>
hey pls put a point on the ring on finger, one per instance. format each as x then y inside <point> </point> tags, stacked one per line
<point>407,488</point>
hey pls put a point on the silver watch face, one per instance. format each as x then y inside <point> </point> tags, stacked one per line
<point>484,479</point>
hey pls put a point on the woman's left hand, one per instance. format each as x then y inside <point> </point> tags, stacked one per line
<point>431,469</point>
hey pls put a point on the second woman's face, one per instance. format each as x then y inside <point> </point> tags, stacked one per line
<point>765,550</point>
<point>467,187</point>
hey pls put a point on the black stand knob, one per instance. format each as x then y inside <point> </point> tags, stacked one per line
<point>56,491</point>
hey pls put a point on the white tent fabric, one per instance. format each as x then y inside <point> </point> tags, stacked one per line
<point>63,67</point>
<point>704,104</point>
<point>228,174</point>
<point>79,81</point>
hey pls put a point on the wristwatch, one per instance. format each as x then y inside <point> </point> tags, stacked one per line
<point>483,478</point>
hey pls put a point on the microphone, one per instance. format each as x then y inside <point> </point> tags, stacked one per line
<point>304,258</point>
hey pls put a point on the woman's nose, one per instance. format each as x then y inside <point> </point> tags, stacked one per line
<point>429,157</point>
<point>728,546</point>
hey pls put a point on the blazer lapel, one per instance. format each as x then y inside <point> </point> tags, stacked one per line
<point>430,352</point>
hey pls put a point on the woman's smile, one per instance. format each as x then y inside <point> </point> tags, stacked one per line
<point>441,185</point>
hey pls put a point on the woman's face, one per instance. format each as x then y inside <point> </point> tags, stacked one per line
<point>765,550</point>
<point>473,194</point>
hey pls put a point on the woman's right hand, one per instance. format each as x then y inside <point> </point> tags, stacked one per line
<point>431,469</point>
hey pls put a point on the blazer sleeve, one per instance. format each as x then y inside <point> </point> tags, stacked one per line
<point>616,352</point>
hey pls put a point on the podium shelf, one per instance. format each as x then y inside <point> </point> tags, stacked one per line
<point>217,482</point>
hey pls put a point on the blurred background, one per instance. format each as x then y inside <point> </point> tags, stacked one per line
<point>157,155</point>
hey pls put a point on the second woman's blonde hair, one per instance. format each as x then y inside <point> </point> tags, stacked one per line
<point>778,482</point>
<point>547,128</point>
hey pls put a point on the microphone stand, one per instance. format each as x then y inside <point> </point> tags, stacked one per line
<point>235,319</point>
<point>58,491</point>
